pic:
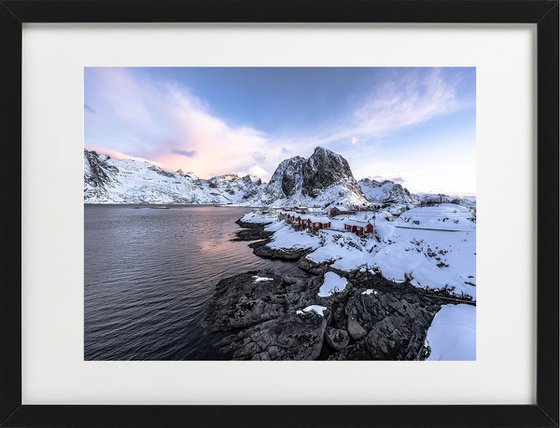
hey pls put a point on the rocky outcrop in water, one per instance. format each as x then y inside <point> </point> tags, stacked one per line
<point>256,232</point>
<point>249,225</point>
<point>288,254</point>
<point>252,234</point>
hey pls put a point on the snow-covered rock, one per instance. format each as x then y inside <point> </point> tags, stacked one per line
<point>257,278</point>
<point>288,238</point>
<point>317,309</point>
<point>452,335</point>
<point>332,283</point>
<point>258,217</point>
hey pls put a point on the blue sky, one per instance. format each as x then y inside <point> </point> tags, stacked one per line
<point>414,125</point>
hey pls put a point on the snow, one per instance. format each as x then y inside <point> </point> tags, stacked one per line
<point>369,291</point>
<point>332,283</point>
<point>257,278</point>
<point>452,335</point>
<point>431,258</point>
<point>450,217</point>
<point>133,181</point>
<point>258,217</point>
<point>108,180</point>
<point>466,201</point>
<point>312,309</point>
<point>286,237</point>
<point>273,227</point>
<point>385,191</point>
<point>357,223</point>
<point>315,218</point>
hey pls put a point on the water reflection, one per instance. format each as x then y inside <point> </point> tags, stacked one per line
<point>149,275</point>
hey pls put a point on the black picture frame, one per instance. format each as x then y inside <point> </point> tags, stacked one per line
<point>543,13</point>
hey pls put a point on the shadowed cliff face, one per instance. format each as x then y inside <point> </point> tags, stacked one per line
<point>291,176</point>
<point>325,168</point>
<point>97,169</point>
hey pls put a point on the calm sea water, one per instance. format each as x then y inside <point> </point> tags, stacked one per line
<point>149,275</point>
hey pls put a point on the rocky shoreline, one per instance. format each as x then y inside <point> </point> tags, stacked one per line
<point>261,312</point>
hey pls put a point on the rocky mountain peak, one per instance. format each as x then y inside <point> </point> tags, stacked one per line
<point>322,179</point>
<point>325,168</point>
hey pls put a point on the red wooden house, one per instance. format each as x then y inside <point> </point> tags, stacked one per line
<point>358,227</point>
<point>316,223</point>
<point>340,210</point>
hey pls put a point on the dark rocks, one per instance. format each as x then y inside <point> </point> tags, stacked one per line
<point>100,172</point>
<point>161,171</point>
<point>292,175</point>
<point>395,324</point>
<point>325,168</point>
<point>244,300</point>
<point>337,338</point>
<point>252,234</point>
<point>311,267</point>
<point>259,311</point>
<point>248,225</point>
<point>290,254</point>
<point>355,330</point>
<point>290,337</point>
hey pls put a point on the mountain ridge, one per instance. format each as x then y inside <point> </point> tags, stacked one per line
<point>323,179</point>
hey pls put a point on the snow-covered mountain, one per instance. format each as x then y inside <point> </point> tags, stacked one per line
<point>108,180</point>
<point>323,179</point>
<point>386,191</point>
<point>438,198</point>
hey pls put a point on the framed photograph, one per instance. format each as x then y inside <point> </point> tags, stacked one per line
<point>300,213</point>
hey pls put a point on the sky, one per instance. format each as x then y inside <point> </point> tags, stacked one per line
<point>415,126</point>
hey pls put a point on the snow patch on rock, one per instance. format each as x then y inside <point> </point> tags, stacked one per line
<point>317,309</point>
<point>332,284</point>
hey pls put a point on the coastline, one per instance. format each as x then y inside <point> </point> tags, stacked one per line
<point>371,318</point>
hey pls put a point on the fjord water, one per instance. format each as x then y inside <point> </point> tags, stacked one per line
<point>149,274</point>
